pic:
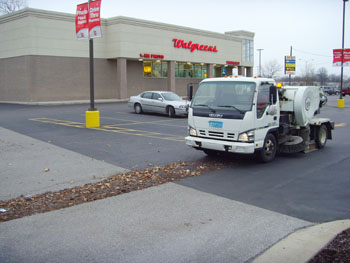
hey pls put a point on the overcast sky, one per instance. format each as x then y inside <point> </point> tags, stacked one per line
<point>312,27</point>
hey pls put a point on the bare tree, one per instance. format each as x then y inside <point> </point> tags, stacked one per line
<point>308,76</point>
<point>271,69</point>
<point>322,76</point>
<point>10,6</point>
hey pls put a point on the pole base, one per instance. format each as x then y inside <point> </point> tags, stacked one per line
<point>92,119</point>
<point>341,103</point>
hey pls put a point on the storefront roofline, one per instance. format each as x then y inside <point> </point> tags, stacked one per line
<point>26,12</point>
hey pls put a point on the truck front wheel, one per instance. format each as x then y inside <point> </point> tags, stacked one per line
<point>268,152</point>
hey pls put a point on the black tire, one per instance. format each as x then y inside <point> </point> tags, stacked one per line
<point>138,108</point>
<point>171,112</point>
<point>321,136</point>
<point>268,152</point>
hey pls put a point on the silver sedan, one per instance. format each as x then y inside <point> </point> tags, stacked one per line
<point>164,102</point>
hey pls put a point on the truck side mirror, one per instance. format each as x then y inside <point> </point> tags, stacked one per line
<point>273,95</point>
<point>190,91</point>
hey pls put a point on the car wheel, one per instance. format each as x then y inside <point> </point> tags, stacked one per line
<point>268,152</point>
<point>321,136</point>
<point>171,112</point>
<point>138,108</point>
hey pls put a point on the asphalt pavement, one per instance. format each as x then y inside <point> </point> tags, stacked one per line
<point>185,222</point>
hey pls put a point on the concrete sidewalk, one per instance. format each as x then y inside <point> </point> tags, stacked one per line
<point>166,223</point>
<point>29,166</point>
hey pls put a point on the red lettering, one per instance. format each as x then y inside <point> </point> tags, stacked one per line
<point>174,40</point>
<point>179,43</point>
<point>147,55</point>
<point>189,45</point>
<point>193,47</point>
<point>232,62</point>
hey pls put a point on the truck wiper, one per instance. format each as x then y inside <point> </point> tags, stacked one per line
<point>205,105</point>
<point>233,107</point>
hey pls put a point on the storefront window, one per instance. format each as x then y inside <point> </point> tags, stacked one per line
<point>189,70</point>
<point>183,70</point>
<point>248,50</point>
<point>147,69</point>
<point>155,69</point>
<point>200,71</point>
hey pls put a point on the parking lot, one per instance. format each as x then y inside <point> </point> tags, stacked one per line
<point>311,186</point>
<point>124,139</point>
<point>227,215</point>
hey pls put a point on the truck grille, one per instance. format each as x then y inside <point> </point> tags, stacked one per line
<point>216,134</point>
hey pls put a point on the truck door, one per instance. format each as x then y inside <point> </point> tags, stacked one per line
<point>266,118</point>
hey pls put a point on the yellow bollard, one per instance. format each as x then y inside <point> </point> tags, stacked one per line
<point>92,119</point>
<point>341,103</point>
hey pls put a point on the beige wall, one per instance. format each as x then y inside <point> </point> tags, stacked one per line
<point>41,59</point>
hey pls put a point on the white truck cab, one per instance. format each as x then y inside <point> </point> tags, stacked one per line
<point>242,115</point>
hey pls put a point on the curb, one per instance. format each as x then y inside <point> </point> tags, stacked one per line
<point>303,244</point>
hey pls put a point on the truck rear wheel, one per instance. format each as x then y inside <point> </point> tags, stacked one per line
<point>268,152</point>
<point>321,136</point>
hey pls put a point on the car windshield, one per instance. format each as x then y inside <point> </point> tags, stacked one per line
<point>229,95</point>
<point>170,96</point>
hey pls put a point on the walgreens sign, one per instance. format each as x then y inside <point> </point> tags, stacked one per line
<point>179,43</point>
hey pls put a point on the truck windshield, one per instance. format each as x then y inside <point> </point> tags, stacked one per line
<point>228,95</point>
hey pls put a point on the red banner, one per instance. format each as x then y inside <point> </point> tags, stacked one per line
<point>95,19</point>
<point>337,57</point>
<point>88,20</point>
<point>81,21</point>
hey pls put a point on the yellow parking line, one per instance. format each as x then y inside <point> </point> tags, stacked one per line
<point>144,122</point>
<point>340,124</point>
<point>113,128</point>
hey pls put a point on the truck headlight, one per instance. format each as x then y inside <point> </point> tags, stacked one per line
<point>247,136</point>
<point>182,106</point>
<point>192,131</point>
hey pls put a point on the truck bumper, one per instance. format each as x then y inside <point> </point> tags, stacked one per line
<point>224,146</point>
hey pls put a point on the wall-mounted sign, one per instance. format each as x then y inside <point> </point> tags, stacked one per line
<point>88,20</point>
<point>236,63</point>
<point>179,43</point>
<point>337,57</point>
<point>155,56</point>
<point>289,67</point>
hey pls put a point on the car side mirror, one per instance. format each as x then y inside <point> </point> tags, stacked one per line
<point>160,99</point>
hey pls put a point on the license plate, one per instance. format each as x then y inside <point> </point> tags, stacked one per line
<point>216,124</point>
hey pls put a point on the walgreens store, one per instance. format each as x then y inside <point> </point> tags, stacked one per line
<point>41,59</point>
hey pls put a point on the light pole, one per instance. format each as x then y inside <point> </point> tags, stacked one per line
<point>341,102</point>
<point>260,49</point>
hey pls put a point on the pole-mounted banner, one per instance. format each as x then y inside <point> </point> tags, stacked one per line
<point>95,19</point>
<point>338,57</point>
<point>81,21</point>
<point>88,20</point>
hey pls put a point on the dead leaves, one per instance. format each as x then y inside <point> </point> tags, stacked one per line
<point>107,187</point>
